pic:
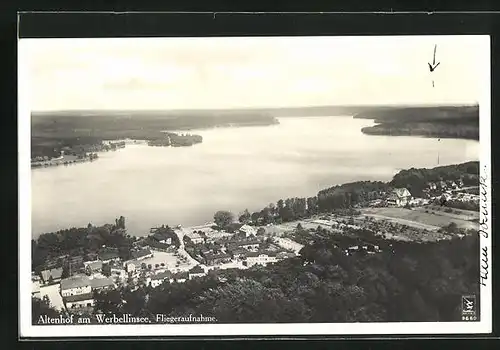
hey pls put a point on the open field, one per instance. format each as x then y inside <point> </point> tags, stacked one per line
<point>416,218</point>
<point>169,259</point>
<point>460,214</point>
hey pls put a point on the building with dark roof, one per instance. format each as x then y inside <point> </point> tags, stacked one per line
<point>102,283</point>
<point>160,278</point>
<point>142,254</point>
<point>214,259</point>
<point>78,302</point>
<point>52,275</point>
<point>181,277</point>
<point>107,256</point>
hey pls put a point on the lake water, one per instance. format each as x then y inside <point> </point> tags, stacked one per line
<point>233,169</point>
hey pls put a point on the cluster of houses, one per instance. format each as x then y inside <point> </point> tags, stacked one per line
<point>105,270</point>
<point>248,251</point>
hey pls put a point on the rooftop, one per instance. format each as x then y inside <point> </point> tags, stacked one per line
<point>401,192</point>
<point>107,255</point>
<point>76,281</point>
<point>55,273</point>
<point>197,269</point>
<point>182,274</point>
<point>80,297</point>
<point>162,275</point>
<point>94,265</point>
<point>101,282</point>
<point>141,253</point>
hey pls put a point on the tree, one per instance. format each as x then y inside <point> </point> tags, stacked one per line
<point>65,271</point>
<point>41,307</point>
<point>223,218</point>
<point>106,270</point>
<point>245,217</point>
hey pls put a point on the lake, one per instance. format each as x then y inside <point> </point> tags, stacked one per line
<point>233,169</point>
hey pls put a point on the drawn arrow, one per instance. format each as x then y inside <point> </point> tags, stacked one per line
<point>434,65</point>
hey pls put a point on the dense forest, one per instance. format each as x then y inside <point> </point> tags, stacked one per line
<point>416,179</point>
<point>347,196</point>
<point>134,125</point>
<point>48,248</point>
<point>441,122</point>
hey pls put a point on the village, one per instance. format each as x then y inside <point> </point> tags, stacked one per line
<point>178,254</point>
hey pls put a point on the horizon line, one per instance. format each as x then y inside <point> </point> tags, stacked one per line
<point>450,104</point>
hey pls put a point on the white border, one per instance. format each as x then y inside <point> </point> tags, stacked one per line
<point>28,330</point>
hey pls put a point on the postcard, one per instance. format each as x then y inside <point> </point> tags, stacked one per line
<point>235,186</point>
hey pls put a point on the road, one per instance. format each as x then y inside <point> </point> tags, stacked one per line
<point>181,232</point>
<point>55,298</point>
<point>404,222</point>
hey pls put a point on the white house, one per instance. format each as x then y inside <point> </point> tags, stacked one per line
<point>195,237</point>
<point>75,285</point>
<point>80,301</point>
<point>399,197</point>
<point>76,292</point>
<point>248,230</point>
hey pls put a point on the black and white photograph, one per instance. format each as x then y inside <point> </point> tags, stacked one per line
<point>254,185</point>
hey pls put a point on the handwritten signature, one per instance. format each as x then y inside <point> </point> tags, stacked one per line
<point>483,199</point>
<point>483,225</point>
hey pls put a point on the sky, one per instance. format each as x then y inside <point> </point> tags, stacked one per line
<point>192,73</point>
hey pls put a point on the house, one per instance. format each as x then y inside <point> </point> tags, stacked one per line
<point>215,259</point>
<point>248,230</point>
<point>260,258</point>
<point>99,284</point>
<point>289,244</point>
<point>92,267</point>
<point>142,254</point>
<point>164,235</point>
<point>80,301</point>
<point>239,252</point>
<point>284,255</point>
<point>160,278</point>
<point>108,256</point>
<point>181,277</point>
<point>75,285</point>
<point>130,266</point>
<point>399,197</point>
<point>251,245</point>
<point>195,237</point>
<point>196,271</point>
<point>52,275</point>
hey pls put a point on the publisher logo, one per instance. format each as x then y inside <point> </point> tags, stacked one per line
<point>469,307</point>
